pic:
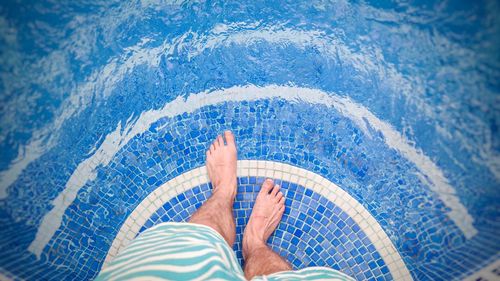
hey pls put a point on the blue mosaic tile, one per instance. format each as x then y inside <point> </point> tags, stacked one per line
<point>301,235</point>
<point>328,144</point>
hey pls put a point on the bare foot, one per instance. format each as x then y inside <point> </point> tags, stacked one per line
<point>266,215</point>
<point>221,165</point>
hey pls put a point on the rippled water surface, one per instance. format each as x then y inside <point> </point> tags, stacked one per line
<point>396,102</point>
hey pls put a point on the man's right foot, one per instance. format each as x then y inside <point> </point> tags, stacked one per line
<point>221,166</point>
<point>266,215</point>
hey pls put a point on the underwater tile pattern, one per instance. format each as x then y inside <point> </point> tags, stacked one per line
<point>315,231</point>
<point>306,236</point>
<point>99,109</point>
<point>330,145</point>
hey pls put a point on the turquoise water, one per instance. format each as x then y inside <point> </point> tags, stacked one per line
<point>395,102</point>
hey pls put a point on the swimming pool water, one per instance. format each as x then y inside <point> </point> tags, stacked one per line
<point>392,104</point>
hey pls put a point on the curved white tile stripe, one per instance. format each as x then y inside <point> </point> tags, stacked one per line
<point>274,170</point>
<point>86,171</point>
<point>100,83</point>
<point>489,272</point>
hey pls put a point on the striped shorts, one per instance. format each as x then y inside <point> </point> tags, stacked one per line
<point>186,251</point>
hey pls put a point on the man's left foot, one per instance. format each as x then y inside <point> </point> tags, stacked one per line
<point>266,215</point>
<point>221,165</point>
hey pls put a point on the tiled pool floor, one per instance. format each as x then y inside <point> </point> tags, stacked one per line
<point>313,232</point>
<point>339,178</point>
<point>321,226</point>
<point>385,115</point>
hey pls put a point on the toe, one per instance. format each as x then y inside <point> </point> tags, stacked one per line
<point>267,186</point>
<point>279,196</point>
<point>281,209</point>
<point>219,141</point>
<point>212,148</point>
<point>275,190</point>
<point>208,153</point>
<point>229,137</point>
<point>282,201</point>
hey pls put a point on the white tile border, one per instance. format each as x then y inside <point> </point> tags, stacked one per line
<point>485,273</point>
<point>281,171</point>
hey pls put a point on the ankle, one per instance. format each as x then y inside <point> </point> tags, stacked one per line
<point>251,246</point>
<point>224,193</point>
<point>230,183</point>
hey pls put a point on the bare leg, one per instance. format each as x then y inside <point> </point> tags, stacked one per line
<point>266,215</point>
<point>217,211</point>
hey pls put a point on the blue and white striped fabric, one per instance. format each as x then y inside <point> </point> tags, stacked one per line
<point>186,251</point>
